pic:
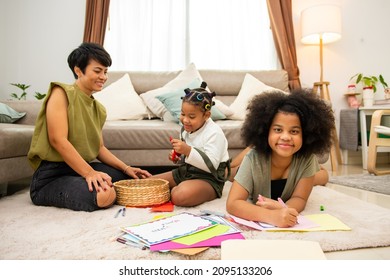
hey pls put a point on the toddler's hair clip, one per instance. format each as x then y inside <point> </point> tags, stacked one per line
<point>187,91</point>
<point>209,105</point>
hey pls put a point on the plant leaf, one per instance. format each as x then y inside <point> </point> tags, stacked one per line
<point>359,78</point>
<point>382,81</point>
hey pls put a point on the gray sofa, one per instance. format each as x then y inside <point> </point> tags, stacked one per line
<point>137,142</point>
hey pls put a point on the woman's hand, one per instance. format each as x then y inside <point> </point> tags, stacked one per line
<point>137,173</point>
<point>98,180</point>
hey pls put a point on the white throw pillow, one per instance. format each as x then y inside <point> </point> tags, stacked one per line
<point>181,81</point>
<point>121,101</point>
<point>225,109</point>
<point>250,87</point>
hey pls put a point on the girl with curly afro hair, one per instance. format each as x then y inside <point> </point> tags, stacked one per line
<point>285,133</point>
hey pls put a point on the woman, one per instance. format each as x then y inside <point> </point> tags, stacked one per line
<point>68,140</point>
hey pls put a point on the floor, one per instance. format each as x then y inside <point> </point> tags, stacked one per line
<point>382,253</point>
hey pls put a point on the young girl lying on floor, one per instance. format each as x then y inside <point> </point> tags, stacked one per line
<point>286,132</point>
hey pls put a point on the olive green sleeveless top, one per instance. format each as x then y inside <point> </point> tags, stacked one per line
<point>86,117</point>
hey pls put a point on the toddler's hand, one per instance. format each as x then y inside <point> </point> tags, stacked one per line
<point>173,157</point>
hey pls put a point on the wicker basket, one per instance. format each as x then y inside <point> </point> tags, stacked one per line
<point>142,192</point>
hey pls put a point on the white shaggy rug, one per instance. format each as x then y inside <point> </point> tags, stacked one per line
<point>29,232</point>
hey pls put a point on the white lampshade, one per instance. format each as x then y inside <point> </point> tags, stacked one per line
<point>323,21</point>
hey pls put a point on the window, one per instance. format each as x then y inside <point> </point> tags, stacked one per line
<point>166,35</point>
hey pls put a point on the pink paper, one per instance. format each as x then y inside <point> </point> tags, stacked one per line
<point>212,242</point>
<point>303,223</point>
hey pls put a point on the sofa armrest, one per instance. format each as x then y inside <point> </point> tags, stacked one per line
<point>31,108</point>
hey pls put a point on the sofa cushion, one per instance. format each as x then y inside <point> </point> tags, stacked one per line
<point>9,115</point>
<point>31,107</point>
<point>141,134</point>
<point>172,102</point>
<point>250,87</point>
<point>154,134</point>
<point>182,81</point>
<point>15,140</point>
<point>232,131</point>
<point>223,108</point>
<point>121,101</point>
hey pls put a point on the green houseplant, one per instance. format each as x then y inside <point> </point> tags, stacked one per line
<point>383,82</point>
<point>370,81</point>
<point>369,86</point>
<point>23,88</point>
<point>23,95</point>
<point>367,81</point>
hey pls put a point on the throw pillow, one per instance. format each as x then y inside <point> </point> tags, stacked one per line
<point>250,87</point>
<point>172,102</point>
<point>223,108</point>
<point>180,82</point>
<point>121,101</point>
<point>9,115</point>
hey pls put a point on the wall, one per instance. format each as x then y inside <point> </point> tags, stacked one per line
<point>36,38</point>
<point>362,48</point>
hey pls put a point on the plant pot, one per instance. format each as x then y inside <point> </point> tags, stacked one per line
<point>353,102</point>
<point>368,96</point>
<point>387,93</point>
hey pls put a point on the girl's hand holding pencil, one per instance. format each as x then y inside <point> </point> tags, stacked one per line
<point>283,216</point>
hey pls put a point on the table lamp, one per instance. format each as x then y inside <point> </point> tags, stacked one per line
<point>321,25</point>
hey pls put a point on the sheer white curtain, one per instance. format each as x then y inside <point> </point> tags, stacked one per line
<point>163,35</point>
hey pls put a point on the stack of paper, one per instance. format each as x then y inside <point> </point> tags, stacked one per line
<point>182,231</point>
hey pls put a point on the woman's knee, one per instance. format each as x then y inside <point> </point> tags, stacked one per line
<point>106,198</point>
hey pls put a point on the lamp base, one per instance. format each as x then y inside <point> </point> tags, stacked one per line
<point>335,154</point>
<point>322,87</point>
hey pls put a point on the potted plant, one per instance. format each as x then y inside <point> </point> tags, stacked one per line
<point>386,88</point>
<point>367,81</point>
<point>369,87</point>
